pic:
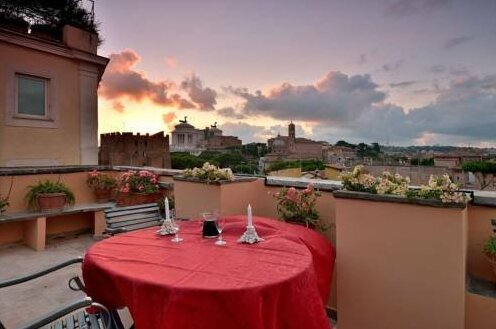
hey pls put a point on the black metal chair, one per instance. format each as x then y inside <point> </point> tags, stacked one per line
<point>73,315</point>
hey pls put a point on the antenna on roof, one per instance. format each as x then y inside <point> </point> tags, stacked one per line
<point>92,10</point>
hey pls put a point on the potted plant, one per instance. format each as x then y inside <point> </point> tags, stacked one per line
<point>439,188</point>
<point>102,185</point>
<point>298,206</point>
<point>490,251</point>
<point>4,203</point>
<point>209,173</point>
<point>136,187</point>
<point>48,195</point>
<point>221,191</point>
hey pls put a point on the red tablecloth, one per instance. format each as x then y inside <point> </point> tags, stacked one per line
<point>281,283</point>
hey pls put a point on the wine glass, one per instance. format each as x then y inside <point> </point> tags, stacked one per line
<point>176,237</point>
<point>220,223</point>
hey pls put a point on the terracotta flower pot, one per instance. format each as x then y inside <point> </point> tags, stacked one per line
<point>492,262</point>
<point>131,199</point>
<point>154,197</point>
<point>102,195</point>
<point>51,201</point>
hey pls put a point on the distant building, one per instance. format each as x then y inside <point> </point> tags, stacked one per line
<point>339,155</point>
<point>126,149</point>
<point>48,98</point>
<point>454,160</point>
<point>187,138</point>
<point>292,148</point>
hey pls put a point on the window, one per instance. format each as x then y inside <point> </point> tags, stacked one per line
<point>180,139</point>
<point>190,139</point>
<point>31,96</point>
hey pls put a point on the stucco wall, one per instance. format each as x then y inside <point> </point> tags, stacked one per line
<point>400,265</point>
<point>479,230</point>
<point>33,145</point>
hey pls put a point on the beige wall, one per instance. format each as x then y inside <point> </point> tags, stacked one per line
<point>431,232</point>
<point>14,232</point>
<point>479,230</point>
<point>480,312</point>
<point>75,181</point>
<point>59,145</point>
<point>400,265</point>
<point>68,135</point>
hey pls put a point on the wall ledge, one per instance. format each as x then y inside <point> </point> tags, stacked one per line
<point>320,184</point>
<point>223,182</point>
<point>17,171</point>
<point>395,199</point>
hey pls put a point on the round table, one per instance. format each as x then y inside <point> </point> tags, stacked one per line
<point>280,283</point>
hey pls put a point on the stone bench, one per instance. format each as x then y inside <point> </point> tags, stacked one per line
<point>34,233</point>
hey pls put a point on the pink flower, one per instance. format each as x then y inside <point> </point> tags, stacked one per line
<point>124,189</point>
<point>292,194</point>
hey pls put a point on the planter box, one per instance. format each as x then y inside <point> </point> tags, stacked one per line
<point>193,197</point>
<point>400,263</point>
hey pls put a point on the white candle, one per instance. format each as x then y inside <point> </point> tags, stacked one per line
<point>166,205</point>
<point>250,219</point>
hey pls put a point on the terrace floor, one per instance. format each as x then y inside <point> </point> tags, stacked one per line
<point>25,302</point>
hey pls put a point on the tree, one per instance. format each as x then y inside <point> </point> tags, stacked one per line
<point>483,170</point>
<point>362,149</point>
<point>345,144</point>
<point>50,14</point>
<point>422,162</point>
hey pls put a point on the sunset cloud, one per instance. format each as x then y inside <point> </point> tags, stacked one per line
<point>230,112</point>
<point>392,67</point>
<point>353,106</point>
<point>437,69</point>
<point>169,117</point>
<point>467,109</point>
<point>118,106</point>
<point>335,98</point>
<point>171,62</point>
<point>204,98</point>
<point>401,8</point>
<point>451,43</point>
<point>402,84</point>
<point>122,81</point>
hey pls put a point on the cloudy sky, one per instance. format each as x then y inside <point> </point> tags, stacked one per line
<point>401,72</point>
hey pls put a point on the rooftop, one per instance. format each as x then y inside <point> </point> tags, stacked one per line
<point>365,228</point>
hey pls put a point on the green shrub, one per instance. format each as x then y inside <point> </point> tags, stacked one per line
<point>490,247</point>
